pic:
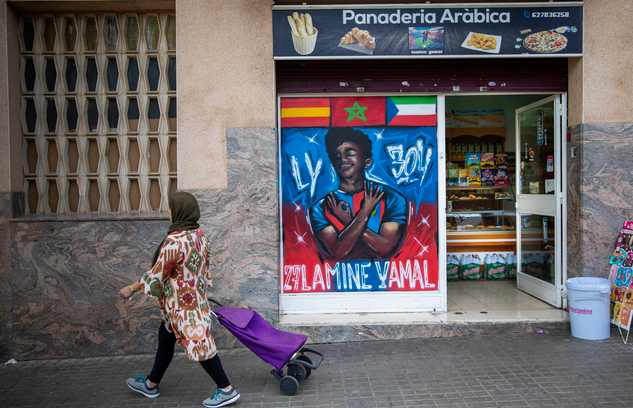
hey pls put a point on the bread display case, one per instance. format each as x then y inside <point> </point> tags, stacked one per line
<point>480,219</point>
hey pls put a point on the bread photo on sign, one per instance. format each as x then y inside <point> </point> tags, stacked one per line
<point>358,40</point>
<point>304,34</point>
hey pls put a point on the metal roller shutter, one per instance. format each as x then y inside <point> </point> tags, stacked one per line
<point>446,75</point>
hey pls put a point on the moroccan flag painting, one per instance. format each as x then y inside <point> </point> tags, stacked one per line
<point>411,111</point>
<point>358,111</point>
<point>305,112</point>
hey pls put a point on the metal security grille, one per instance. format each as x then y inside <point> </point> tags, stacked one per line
<point>98,112</point>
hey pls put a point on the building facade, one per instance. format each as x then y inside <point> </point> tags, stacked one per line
<point>98,124</point>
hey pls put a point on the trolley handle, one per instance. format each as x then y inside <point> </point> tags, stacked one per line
<point>306,364</point>
<point>214,301</point>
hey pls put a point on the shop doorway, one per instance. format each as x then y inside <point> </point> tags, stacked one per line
<point>491,214</point>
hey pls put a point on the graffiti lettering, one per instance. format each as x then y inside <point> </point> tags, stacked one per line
<point>332,272</point>
<point>398,275</point>
<point>382,273</point>
<point>416,158</point>
<point>296,174</point>
<point>313,172</point>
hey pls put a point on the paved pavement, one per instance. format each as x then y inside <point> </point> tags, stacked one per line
<point>497,370</point>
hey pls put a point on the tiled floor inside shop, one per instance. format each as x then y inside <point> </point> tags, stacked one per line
<point>468,301</point>
<point>496,301</point>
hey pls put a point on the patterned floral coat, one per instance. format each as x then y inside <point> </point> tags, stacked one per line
<point>178,280</point>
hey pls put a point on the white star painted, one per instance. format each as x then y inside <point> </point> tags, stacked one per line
<point>425,220</point>
<point>311,139</point>
<point>300,238</point>
<point>425,248</point>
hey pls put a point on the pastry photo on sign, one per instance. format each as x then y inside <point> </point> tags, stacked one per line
<point>482,42</point>
<point>359,41</point>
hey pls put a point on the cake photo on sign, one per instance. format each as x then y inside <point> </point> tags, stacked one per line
<point>545,42</point>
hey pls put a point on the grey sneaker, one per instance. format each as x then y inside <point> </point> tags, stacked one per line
<point>138,384</point>
<point>221,399</point>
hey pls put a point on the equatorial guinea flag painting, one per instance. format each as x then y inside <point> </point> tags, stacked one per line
<point>411,111</point>
<point>358,181</point>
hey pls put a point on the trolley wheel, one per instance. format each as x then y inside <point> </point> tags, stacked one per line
<point>288,385</point>
<point>297,371</point>
<point>307,360</point>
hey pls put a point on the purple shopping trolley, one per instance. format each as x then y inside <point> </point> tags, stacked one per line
<point>278,348</point>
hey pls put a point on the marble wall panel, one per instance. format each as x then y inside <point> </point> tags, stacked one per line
<point>66,276</point>
<point>6,296</point>
<point>574,204</point>
<point>604,196</point>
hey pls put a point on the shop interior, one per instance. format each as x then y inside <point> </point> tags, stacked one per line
<point>480,211</point>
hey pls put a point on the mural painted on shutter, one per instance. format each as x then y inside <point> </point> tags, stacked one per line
<point>358,187</point>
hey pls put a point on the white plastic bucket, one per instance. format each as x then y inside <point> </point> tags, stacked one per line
<point>589,307</point>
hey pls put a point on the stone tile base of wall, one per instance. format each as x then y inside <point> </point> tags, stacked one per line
<point>333,334</point>
<point>599,194</point>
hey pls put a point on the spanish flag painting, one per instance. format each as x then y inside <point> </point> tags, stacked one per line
<point>411,111</point>
<point>305,112</point>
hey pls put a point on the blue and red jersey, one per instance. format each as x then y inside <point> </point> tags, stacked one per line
<point>392,208</point>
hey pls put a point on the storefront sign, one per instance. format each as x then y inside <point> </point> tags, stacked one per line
<point>430,31</point>
<point>358,185</point>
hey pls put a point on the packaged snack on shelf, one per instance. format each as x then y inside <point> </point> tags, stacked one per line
<point>463,177</point>
<point>477,148</point>
<point>503,196</point>
<point>452,267</point>
<point>534,187</point>
<point>511,266</point>
<point>487,161</point>
<point>491,147</point>
<point>494,267</point>
<point>487,177</point>
<point>474,177</point>
<point>501,177</point>
<point>473,160</point>
<point>471,148</point>
<point>501,161</point>
<point>499,148</point>
<point>470,268</point>
<point>453,177</point>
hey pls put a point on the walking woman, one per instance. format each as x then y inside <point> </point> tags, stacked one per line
<point>178,279</point>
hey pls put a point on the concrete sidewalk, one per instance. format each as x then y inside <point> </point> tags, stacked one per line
<point>496,370</point>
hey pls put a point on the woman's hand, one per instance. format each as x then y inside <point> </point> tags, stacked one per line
<point>126,292</point>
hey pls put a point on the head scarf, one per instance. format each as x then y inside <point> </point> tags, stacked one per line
<point>185,214</point>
